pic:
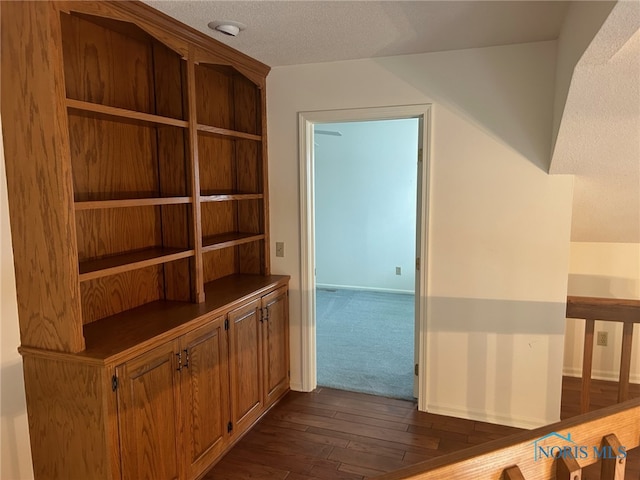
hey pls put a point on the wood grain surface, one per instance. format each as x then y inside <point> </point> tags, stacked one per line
<point>249,167</point>
<point>122,336</point>
<point>219,217</point>
<point>214,94</point>
<point>217,167</point>
<point>110,158</point>
<point>120,113</point>
<point>103,233</point>
<point>204,386</point>
<point>331,434</point>
<point>193,169</point>
<point>106,296</point>
<point>594,308</point>
<point>275,334</point>
<point>39,184</point>
<point>219,263</point>
<point>148,409</point>
<point>68,418</point>
<point>97,71</point>
<point>251,258</point>
<point>246,105</point>
<point>245,364</point>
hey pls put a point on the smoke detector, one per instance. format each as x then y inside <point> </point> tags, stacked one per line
<point>227,27</point>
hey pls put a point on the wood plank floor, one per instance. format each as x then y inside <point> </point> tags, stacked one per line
<point>331,434</point>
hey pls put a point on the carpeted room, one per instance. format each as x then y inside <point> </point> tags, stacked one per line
<point>365,239</point>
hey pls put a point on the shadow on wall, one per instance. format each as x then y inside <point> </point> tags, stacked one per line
<point>603,286</point>
<point>13,411</point>
<point>507,91</point>
<point>502,358</point>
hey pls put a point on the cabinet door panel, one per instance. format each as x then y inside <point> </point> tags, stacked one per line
<point>205,394</point>
<point>245,365</point>
<point>276,344</point>
<point>148,407</point>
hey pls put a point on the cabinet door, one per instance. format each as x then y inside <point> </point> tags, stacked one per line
<point>148,408</point>
<point>245,365</point>
<point>275,328</point>
<point>204,387</point>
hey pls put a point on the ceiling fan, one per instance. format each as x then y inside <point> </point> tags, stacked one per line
<point>332,133</point>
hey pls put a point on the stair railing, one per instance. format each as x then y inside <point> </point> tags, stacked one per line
<point>591,309</point>
<point>559,451</point>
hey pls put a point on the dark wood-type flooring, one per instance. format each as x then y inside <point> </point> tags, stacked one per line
<point>331,434</point>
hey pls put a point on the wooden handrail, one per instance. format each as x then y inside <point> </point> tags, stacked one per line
<point>514,457</point>
<point>607,310</point>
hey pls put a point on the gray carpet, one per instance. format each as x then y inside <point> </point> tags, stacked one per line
<point>365,341</point>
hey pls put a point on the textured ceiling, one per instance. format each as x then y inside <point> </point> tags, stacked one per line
<point>599,136</point>
<point>296,32</point>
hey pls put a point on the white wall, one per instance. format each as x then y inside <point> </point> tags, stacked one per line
<point>610,270</point>
<point>499,224</point>
<point>15,457</point>
<point>365,199</point>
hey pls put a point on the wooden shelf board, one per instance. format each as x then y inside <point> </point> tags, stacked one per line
<point>232,239</point>
<point>130,202</point>
<point>228,133</point>
<point>225,197</point>
<point>124,113</point>
<point>120,337</point>
<point>115,264</point>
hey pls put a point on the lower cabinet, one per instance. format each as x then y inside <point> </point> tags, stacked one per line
<point>148,407</point>
<point>183,403</point>
<point>245,365</point>
<point>275,344</point>
<point>204,393</point>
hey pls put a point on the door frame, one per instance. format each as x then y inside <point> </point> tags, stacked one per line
<point>306,123</point>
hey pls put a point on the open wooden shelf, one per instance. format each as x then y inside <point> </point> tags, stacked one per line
<point>228,133</point>
<point>130,202</point>
<point>114,264</point>
<point>124,114</point>
<point>225,197</point>
<point>114,338</point>
<point>231,239</point>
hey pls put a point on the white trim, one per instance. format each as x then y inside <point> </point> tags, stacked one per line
<point>490,417</point>
<point>296,387</point>
<point>307,260</point>
<point>425,256</point>
<point>607,375</point>
<point>306,122</point>
<point>328,286</point>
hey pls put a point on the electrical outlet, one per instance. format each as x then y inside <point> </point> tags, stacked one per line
<point>398,271</point>
<point>603,339</point>
<point>279,249</point>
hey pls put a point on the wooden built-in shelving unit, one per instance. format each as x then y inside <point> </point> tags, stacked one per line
<point>137,179</point>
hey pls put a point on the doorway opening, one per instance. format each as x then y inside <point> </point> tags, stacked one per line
<point>365,249</point>
<point>329,264</point>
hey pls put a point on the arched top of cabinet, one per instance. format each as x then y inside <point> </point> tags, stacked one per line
<point>173,34</point>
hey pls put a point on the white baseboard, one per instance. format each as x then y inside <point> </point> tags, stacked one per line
<point>599,374</point>
<point>328,286</point>
<point>490,417</point>
<point>297,387</point>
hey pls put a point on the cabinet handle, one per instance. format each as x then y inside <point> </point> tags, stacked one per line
<point>179,357</point>
<point>186,361</point>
